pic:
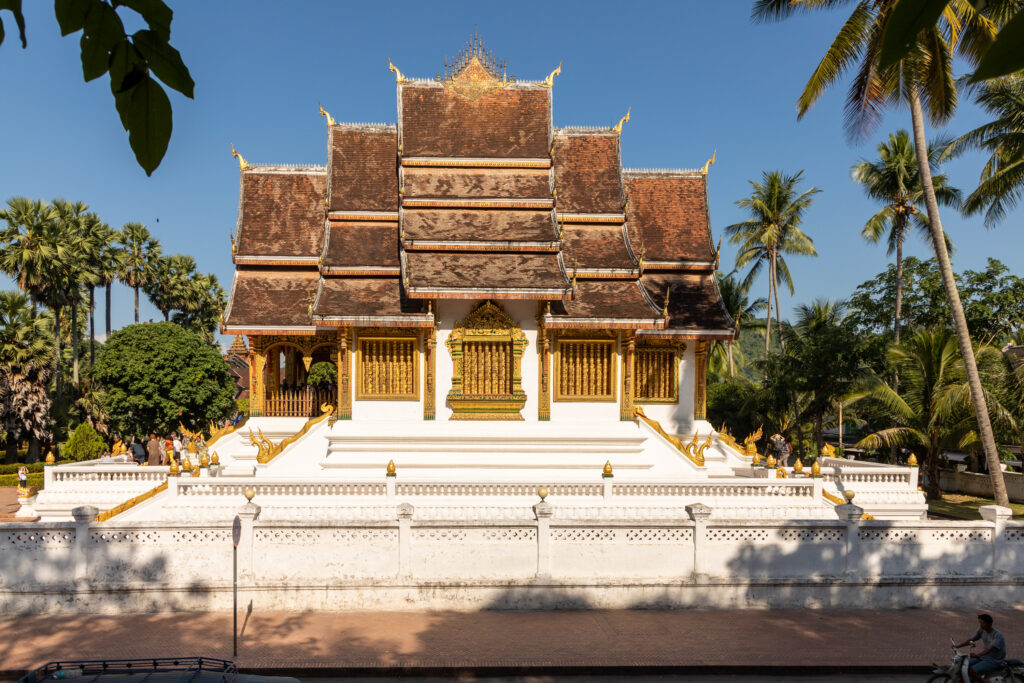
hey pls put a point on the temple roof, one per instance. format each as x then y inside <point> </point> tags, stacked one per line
<point>367,301</point>
<point>587,175</point>
<point>477,183</point>
<point>280,214</point>
<point>695,304</point>
<point>481,225</point>
<point>364,173</point>
<point>667,217</point>
<point>485,275</point>
<point>599,247</point>
<point>360,246</point>
<point>269,299</point>
<point>605,304</point>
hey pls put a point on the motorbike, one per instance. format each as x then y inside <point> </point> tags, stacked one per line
<point>956,672</point>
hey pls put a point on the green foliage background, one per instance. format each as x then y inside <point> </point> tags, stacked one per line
<point>156,375</point>
<point>85,444</point>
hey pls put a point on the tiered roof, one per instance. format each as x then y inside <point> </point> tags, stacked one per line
<point>472,195</point>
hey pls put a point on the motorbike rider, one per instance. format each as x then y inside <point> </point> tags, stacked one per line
<point>991,657</point>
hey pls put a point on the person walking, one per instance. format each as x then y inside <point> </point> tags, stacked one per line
<point>785,450</point>
<point>153,451</point>
<point>138,451</point>
<point>176,444</point>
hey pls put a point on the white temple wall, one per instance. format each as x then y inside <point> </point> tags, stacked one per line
<point>388,411</point>
<point>678,418</point>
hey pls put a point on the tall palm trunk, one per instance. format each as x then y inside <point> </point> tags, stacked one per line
<point>110,286</point>
<point>136,304</point>
<point>960,321</point>
<point>74,339</point>
<point>732,369</point>
<point>92,325</point>
<point>768,318</point>
<point>778,309</point>
<point>56,355</point>
<point>899,281</point>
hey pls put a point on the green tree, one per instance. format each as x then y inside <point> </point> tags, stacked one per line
<point>139,251</point>
<point>132,62</point>
<point>894,180</point>
<point>322,374</point>
<point>76,225</point>
<point>744,314</point>
<point>170,288</point>
<point>923,77</point>
<point>85,444</point>
<point>25,367</point>
<point>29,244</point>
<point>772,232</point>
<point>1002,178</point>
<point>204,304</point>
<point>156,375</point>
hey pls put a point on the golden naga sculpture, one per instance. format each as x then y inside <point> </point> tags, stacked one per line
<point>550,80</point>
<point>243,165</point>
<point>624,119</point>
<point>399,77</point>
<point>703,447</point>
<point>326,115</point>
<point>828,451</point>
<point>686,450</point>
<point>269,451</point>
<point>709,163</point>
<point>750,443</point>
<point>780,473</point>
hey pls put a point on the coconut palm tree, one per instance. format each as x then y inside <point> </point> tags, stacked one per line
<point>140,252</point>
<point>894,180</point>
<point>24,366</point>
<point>772,232</point>
<point>1002,178</point>
<point>923,78</point>
<point>744,313</point>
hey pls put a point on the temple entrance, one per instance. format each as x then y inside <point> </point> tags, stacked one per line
<point>297,384</point>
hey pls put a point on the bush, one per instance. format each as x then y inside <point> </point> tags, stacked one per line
<point>322,374</point>
<point>12,480</point>
<point>242,406</point>
<point>84,444</point>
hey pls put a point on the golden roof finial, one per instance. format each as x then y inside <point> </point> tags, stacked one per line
<point>664,311</point>
<point>243,165</point>
<point>550,80</point>
<point>709,163</point>
<point>816,468</point>
<point>607,471</point>
<point>391,468</point>
<point>325,114</point>
<point>912,460</point>
<point>624,119</point>
<point>215,460</point>
<point>399,77</point>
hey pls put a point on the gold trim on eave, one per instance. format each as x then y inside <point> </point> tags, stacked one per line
<point>709,163</point>
<point>624,119</point>
<point>326,115</point>
<point>243,165</point>
<point>550,80</point>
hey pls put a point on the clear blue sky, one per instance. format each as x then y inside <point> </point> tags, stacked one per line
<point>699,77</point>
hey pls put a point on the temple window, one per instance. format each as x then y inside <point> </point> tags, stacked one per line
<point>487,368</point>
<point>657,372</point>
<point>387,369</point>
<point>584,370</point>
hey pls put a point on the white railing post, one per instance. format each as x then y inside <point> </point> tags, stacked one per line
<point>405,513</point>
<point>84,517</point>
<point>851,514</point>
<point>998,516</point>
<point>248,514</point>
<point>543,511</point>
<point>699,513</point>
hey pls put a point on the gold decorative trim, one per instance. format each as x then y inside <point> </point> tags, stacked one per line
<point>359,217</point>
<point>475,73</point>
<point>538,204</point>
<point>391,363</point>
<point>656,351</point>
<point>326,410</point>
<point>700,381</point>
<point>344,377</point>
<point>131,502</point>
<point>615,218</point>
<point>695,456</point>
<point>493,333</point>
<point>429,371</point>
<point>623,120</point>
<point>325,114</point>
<point>549,82</point>
<point>478,162</point>
<point>709,163</point>
<point>243,165</point>
<point>216,434</point>
<point>595,361</point>
<point>399,76</point>
<point>544,376</point>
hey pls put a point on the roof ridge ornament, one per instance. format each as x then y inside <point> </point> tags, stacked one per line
<point>243,165</point>
<point>709,163</point>
<point>624,119</point>
<point>549,82</point>
<point>326,115</point>
<point>475,72</point>
<point>399,76</point>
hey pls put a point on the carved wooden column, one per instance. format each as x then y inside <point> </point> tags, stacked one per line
<point>629,344</point>
<point>273,371</point>
<point>257,383</point>
<point>544,404</point>
<point>344,385</point>
<point>429,352</point>
<point>289,366</point>
<point>700,355</point>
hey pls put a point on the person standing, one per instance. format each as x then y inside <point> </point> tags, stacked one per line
<point>138,451</point>
<point>153,451</point>
<point>785,450</point>
<point>176,445</point>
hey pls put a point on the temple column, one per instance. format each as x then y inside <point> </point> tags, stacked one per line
<point>257,384</point>
<point>344,385</point>
<point>629,353</point>
<point>700,355</point>
<point>274,370</point>
<point>289,366</point>
<point>429,353</point>
<point>544,347</point>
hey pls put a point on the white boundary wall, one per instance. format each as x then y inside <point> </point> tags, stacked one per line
<point>537,560</point>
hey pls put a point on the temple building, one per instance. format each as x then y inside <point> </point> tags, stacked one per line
<point>474,262</point>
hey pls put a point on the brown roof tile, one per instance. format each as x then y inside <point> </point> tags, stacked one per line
<point>478,271</point>
<point>512,122</point>
<point>477,182</point>
<point>614,299</point>
<point>587,173</point>
<point>694,301</point>
<point>269,297</point>
<point>364,169</point>
<point>281,213</point>
<point>361,244</point>
<point>595,246</point>
<point>668,218</point>
<point>480,225</point>
<point>365,296</point>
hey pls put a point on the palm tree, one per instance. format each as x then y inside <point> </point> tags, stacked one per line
<point>140,252</point>
<point>1002,177</point>
<point>772,232</point>
<point>932,410</point>
<point>744,312</point>
<point>171,285</point>
<point>924,77</point>
<point>24,363</point>
<point>894,180</point>
<point>28,249</point>
<point>204,304</point>
<point>76,227</point>
<point>112,262</point>
<point>103,260</point>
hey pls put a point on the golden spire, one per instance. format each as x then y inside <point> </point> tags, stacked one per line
<point>709,163</point>
<point>550,80</point>
<point>912,460</point>
<point>798,466</point>
<point>399,77</point>
<point>624,119</point>
<point>243,165</point>
<point>325,114</point>
<point>816,468</point>
<point>607,471</point>
<point>215,460</point>
<point>391,468</point>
